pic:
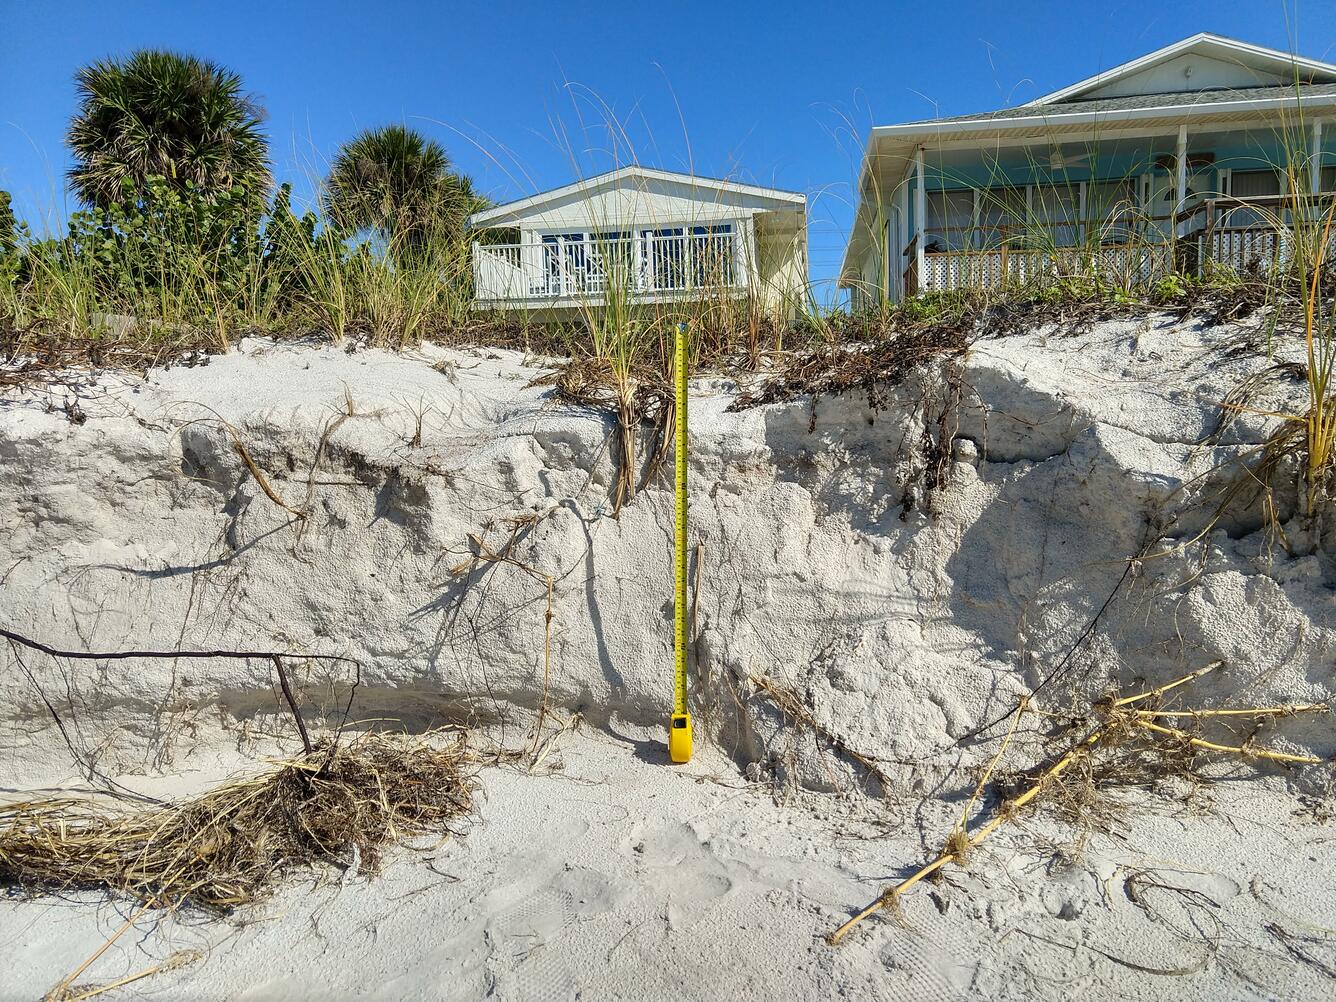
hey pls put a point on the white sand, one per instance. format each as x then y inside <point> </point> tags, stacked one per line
<point>617,876</point>
<point>621,878</point>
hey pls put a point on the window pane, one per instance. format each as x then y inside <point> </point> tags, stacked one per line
<point>1251,183</point>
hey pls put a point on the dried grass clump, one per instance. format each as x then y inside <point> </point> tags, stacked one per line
<point>228,847</point>
<point>634,395</point>
<point>873,366</point>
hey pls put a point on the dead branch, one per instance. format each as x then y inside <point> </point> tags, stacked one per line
<point>1115,725</point>
<point>292,704</point>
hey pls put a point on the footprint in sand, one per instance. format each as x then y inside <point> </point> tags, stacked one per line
<point>683,870</point>
<point>520,934</point>
<point>928,961</point>
<point>528,922</point>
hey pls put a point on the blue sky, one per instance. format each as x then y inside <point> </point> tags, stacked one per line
<point>522,93</point>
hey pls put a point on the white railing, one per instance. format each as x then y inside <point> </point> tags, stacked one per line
<point>1125,265</point>
<point>1254,233</point>
<point>644,265</point>
<point>1261,248</point>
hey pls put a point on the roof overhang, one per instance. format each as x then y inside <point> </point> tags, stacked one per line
<point>711,189</point>
<point>1255,57</point>
<point>891,149</point>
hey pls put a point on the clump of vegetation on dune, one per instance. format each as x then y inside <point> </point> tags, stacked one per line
<point>228,847</point>
<point>181,245</point>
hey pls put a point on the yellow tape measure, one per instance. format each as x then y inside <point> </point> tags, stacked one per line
<point>679,726</point>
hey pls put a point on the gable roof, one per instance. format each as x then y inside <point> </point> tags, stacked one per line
<point>614,178</point>
<point>1309,94</point>
<point>1244,54</point>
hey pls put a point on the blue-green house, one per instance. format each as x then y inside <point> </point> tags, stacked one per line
<point>1195,152</point>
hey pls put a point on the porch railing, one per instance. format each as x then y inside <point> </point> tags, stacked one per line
<point>1124,249</point>
<point>1238,233</point>
<point>642,265</point>
<point>1251,233</point>
<point>911,275</point>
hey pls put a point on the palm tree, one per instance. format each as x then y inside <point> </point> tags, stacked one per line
<point>396,182</point>
<point>162,113</point>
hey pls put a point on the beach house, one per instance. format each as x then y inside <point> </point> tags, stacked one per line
<point>1197,154</point>
<point>640,235</point>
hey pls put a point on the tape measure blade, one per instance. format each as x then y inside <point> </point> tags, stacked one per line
<point>680,524</point>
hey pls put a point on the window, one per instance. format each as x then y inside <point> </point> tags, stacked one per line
<point>1056,215</point>
<point>1111,210</point>
<point>949,219</point>
<point>1254,183</point>
<point>1002,214</point>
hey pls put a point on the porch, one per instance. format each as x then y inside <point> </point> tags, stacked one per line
<point>1125,249</point>
<point>1003,203</point>
<point>584,268</point>
<point>1019,259</point>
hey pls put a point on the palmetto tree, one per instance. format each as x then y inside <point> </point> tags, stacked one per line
<point>398,183</point>
<point>164,114</point>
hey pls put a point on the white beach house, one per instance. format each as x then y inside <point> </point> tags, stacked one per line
<point>1184,156</point>
<point>655,236</point>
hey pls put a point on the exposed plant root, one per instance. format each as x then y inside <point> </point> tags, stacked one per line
<point>61,992</point>
<point>485,554</point>
<point>292,704</point>
<point>179,959</point>
<point>1246,750</point>
<point>958,840</point>
<point>259,476</point>
<point>624,490</point>
<point>18,640</point>
<point>227,847</point>
<point>886,360</point>
<point>1261,711</point>
<point>632,401</point>
<point>788,703</point>
<point>1116,726</point>
<point>547,667</point>
<point>1168,686</point>
<point>239,447</point>
<point>536,757</point>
